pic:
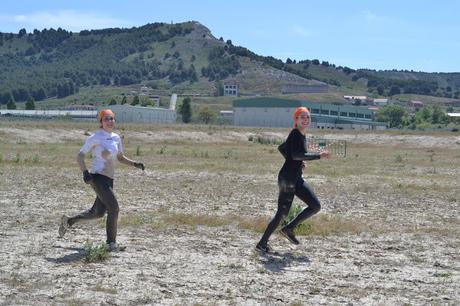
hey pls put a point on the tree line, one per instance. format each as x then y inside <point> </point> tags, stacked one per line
<point>427,117</point>
<point>57,63</point>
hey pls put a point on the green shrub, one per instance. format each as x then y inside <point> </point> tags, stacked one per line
<point>303,228</point>
<point>96,253</point>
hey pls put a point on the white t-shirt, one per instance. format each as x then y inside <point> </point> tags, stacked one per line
<point>105,147</point>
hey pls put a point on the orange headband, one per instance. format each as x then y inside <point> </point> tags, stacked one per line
<point>105,112</point>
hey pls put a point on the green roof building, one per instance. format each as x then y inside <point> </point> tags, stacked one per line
<point>274,112</point>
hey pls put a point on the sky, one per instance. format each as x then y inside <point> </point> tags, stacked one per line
<point>414,35</point>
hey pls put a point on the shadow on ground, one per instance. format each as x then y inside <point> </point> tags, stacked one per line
<point>78,255</point>
<point>277,262</point>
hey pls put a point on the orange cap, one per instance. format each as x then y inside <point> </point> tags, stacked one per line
<point>105,112</point>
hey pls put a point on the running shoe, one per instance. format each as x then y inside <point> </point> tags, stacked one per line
<point>264,248</point>
<point>114,247</point>
<point>63,226</point>
<point>289,234</point>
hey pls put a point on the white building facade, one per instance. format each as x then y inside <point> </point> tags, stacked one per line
<point>272,112</point>
<point>140,114</point>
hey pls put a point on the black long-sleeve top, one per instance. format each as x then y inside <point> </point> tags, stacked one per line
<point>294,151</point>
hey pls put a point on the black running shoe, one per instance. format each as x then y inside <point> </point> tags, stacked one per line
<point>264,248</point>
<point>115,247</point>
<point>289,234</point>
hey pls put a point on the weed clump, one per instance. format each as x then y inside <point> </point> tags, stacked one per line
<point>96,253</point>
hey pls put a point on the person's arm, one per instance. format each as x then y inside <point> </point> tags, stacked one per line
<point>305,156</point>
<point>81,161</point>
<point>124,160</point>
<point>87,177</point>
<point>299,152</point>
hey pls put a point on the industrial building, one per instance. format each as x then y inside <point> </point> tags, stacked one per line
<point>124,113</point>
<point>274,112</point>
<point>74,114</point>
<point>139,114</point>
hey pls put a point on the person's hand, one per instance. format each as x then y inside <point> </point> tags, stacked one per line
<point>325,154</point>
<point>87,177</point>
<point>139,166</point>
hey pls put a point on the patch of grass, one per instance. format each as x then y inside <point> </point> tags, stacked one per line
<point>442,274</point>
<point>258,224</point>
<point>327,225</point>
<point>136,220</point>
<point>99,287</point>
<point>398,158</point>
<point>265,140</point>
<point>17,158</point>
<point>96,253</point>
<point>195,220</point>
<point>205,154</point>
<point>15,280</point>
<point>138,150</point>
<point>323,225</point>
<point>162,150</point>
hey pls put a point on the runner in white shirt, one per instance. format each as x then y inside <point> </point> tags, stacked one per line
<point>105,146</point>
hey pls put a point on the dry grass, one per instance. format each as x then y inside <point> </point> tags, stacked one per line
<point>322,225</point>
<point>388,210</point>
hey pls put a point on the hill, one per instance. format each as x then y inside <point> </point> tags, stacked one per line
<point>184,58</point>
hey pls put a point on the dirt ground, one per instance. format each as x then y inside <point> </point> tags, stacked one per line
<point>398,194</point>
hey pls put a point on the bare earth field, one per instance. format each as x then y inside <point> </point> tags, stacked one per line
<point>388,232</point>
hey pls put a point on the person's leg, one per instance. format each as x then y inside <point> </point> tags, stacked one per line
<point>104,191</point>
<point>304,192</point>
<point>285,198</point>
<point>96,211</point>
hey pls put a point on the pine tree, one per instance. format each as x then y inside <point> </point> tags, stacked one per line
<point>10,104</point>
<point>186,110</point>
<point>30,104</point>
<point>135,100</point>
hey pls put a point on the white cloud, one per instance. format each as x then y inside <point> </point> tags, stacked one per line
<point>300,31</point>
<point>66,19</point>
<point>371,17</point>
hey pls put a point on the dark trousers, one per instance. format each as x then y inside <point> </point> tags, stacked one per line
<point>287,190</point>
<point>105,201</point>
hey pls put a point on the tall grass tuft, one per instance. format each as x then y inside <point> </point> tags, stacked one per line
<point>17,159</point>
<point>96,253</point>
<point>36,159</point>
<point>324,225</point>
<point>265,140</point>
<point>398,158</point>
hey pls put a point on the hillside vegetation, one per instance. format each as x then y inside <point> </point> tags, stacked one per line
<point>184,58</point>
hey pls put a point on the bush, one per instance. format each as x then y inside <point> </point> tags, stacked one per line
<point>96,253</point>
<point>304,228</point>
<point>265,140</point>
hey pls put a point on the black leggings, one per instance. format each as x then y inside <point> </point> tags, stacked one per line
<point>105,201</point>
<point>286,195</point>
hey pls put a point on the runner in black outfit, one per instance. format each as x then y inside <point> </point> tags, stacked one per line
<point>291,183</point>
